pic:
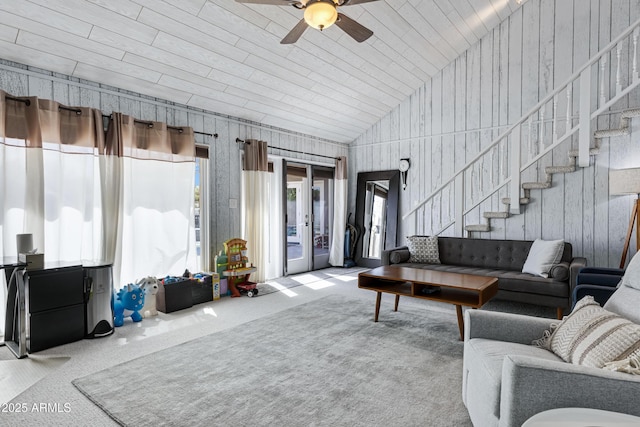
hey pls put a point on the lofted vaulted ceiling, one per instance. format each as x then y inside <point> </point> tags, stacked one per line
<point>226,57</point>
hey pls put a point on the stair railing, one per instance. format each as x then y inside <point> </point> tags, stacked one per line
<point>558,116</point>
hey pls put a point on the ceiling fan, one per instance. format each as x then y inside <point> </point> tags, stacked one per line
<point>320,14</point>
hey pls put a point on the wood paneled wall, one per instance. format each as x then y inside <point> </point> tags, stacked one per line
<point>462,109</point>
<point>224,152</point>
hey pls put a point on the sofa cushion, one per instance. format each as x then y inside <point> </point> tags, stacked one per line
<point>592,336</point>
<point>542,256</point>
<point>423,249</point>
<point>507,280</point>
<point>489,253</point>
<point>484,360</point>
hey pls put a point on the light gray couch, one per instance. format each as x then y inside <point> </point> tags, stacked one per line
<point>503,259</point>
<point>506,380</point>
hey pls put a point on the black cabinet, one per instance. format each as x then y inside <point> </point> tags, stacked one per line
<point>54,307</point>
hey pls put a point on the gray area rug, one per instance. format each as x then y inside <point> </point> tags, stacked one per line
<point>323,363</point>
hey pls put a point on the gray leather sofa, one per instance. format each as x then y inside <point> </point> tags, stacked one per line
<point>503,259</point>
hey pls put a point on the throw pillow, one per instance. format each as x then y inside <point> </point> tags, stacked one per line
<point>542,256</point>
<point>560,272</point>
<point>631,276</point>
<point>630,365</point>
<point>399,256</point>
<point>592,336</point>
<point>423,249</point>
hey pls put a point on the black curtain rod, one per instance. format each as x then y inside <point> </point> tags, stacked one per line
<point>13,98</point>
<point>238,140</point>
<point>79,111</point>
<point>76,110</point>
<point>150,124</point>
<point>28,103</point>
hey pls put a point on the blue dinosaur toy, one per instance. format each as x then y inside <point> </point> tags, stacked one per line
<point>128,302</point>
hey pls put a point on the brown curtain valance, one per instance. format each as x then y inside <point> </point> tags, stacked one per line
<point>255,156</point>
<point>128,137</point>
<point>47,124</point>
<point>42,123</point>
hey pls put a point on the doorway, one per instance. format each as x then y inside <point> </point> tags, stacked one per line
<point>308,216</point>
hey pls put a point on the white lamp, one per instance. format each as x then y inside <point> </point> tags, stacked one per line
<point>320,14</point>
<point>624,182</point>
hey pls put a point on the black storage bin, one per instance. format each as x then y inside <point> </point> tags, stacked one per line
<point>174,296</point>
<point>202,290</point>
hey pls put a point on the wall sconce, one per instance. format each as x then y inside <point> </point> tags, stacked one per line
<point>404,167</point>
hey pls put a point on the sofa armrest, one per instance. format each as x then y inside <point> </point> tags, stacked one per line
<point>385,258</point>
<point>603,270</point>
<point>531,385</point>
<point>508,327</point>
<point>577,264</point>
<point>600,282</point>
<point>599,276</point>
<point>600,294</point>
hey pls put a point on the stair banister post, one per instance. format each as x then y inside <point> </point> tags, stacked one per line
<point>514,187</point>
<point>584,133</point>
<point>460,197</point>
<point>603,63</point>
<point>569,105</point>
<point>415,223</point>
<point>618,68</point>
<point>636,32</point>
<point>554,126</point>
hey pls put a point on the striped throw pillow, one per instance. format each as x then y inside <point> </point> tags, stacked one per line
<point>593,336</point>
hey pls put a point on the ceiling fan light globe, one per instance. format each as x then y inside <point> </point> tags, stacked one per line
<point>320,15</point>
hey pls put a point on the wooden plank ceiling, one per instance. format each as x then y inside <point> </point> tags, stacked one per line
<point>226,57</point>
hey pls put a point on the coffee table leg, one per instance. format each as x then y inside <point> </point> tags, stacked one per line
<point>397,301</point>
<point>460,321</point>
<point>378,297</point>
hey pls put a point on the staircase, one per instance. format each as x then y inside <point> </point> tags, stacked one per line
<point>571,166</point>
<point>537,133</point>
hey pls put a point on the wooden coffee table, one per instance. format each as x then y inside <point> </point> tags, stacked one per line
<point>453,288</point>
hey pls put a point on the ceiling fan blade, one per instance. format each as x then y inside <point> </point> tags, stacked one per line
<point>357,31</point>
<point>350,2</point>
<point>295,33</point>
<point>276,2</point>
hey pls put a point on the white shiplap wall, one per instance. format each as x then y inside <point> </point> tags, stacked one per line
<point>224,153</point>
<point>447,121</point>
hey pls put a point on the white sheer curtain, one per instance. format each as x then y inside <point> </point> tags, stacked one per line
<point>336,254</point>
<point>255,196</point>
<point>156,218</point>
<point>49,179</point>
<point>275,226</point>
<point>127,200</point>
